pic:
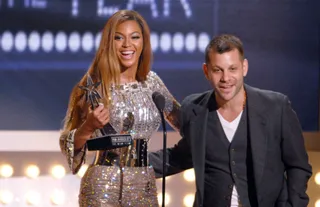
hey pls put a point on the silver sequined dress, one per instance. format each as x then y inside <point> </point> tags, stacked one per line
<point>114,179</point>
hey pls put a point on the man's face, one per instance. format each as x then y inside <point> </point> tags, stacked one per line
<point>225,72</point>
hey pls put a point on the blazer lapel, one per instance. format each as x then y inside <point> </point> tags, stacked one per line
<point>198,126</point>
<point>257,131</point>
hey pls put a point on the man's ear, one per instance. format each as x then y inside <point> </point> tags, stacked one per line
<point>245,68</point>
<point>205,70</point>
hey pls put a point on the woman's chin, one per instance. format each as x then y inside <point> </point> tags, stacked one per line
<point>125,65</point>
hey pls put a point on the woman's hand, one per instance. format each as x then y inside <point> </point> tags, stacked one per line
<point>97,118</point>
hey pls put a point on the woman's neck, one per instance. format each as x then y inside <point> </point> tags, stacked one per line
<point>128,75</point>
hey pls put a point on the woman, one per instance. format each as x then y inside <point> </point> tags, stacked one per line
<point>122,66</point>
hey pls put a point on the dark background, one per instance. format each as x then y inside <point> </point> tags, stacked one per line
<point>281,40</point>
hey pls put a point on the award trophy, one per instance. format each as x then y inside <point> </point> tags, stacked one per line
<point>109,139</point>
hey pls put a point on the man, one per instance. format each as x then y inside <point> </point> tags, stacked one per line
<point>245,144</point>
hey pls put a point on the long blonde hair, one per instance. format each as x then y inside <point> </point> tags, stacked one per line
<point>105,66</point>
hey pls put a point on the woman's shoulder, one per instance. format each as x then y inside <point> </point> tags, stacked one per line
<point>152,75</point>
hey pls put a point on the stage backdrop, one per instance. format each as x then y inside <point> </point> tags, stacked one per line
<point>46,47</point>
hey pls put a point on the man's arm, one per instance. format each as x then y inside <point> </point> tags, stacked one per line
<point>178,157</point>
<point>294,157</point>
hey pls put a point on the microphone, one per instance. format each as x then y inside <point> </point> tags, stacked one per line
<point>159,101</point>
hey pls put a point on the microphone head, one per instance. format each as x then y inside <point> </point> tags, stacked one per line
<point>158,100</point>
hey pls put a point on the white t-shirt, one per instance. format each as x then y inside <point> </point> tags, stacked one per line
<point>229,129</point>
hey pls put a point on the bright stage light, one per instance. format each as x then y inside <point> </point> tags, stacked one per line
<point>189,175</point>
<point>167,199</point>
<point>32,171</point>
<point>82,170</point>
<point>6,170</point>
<point>58,197</point>
<point>33,198</point>
<point>317,178</point>
<point>188,200</point>
<point>6,197</point>
<point>58,171</point>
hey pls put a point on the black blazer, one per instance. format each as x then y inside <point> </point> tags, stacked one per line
<point>280,161</point>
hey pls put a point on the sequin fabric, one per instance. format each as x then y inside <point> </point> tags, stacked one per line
<point>105,187</point>
<point>132,109</point>
<point>120,185</point>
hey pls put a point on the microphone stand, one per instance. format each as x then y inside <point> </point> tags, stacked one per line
<point>164,157</point>
<point>159,101</point>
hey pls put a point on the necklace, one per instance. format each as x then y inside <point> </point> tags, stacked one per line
<point>244,100</point>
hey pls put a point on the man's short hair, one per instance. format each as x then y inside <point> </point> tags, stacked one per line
<point>224,43</point>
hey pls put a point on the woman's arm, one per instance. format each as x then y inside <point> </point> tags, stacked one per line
<point>172,106</point>
<point>73,142</point>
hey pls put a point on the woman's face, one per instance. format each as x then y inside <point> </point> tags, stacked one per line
<point>129,44</point>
